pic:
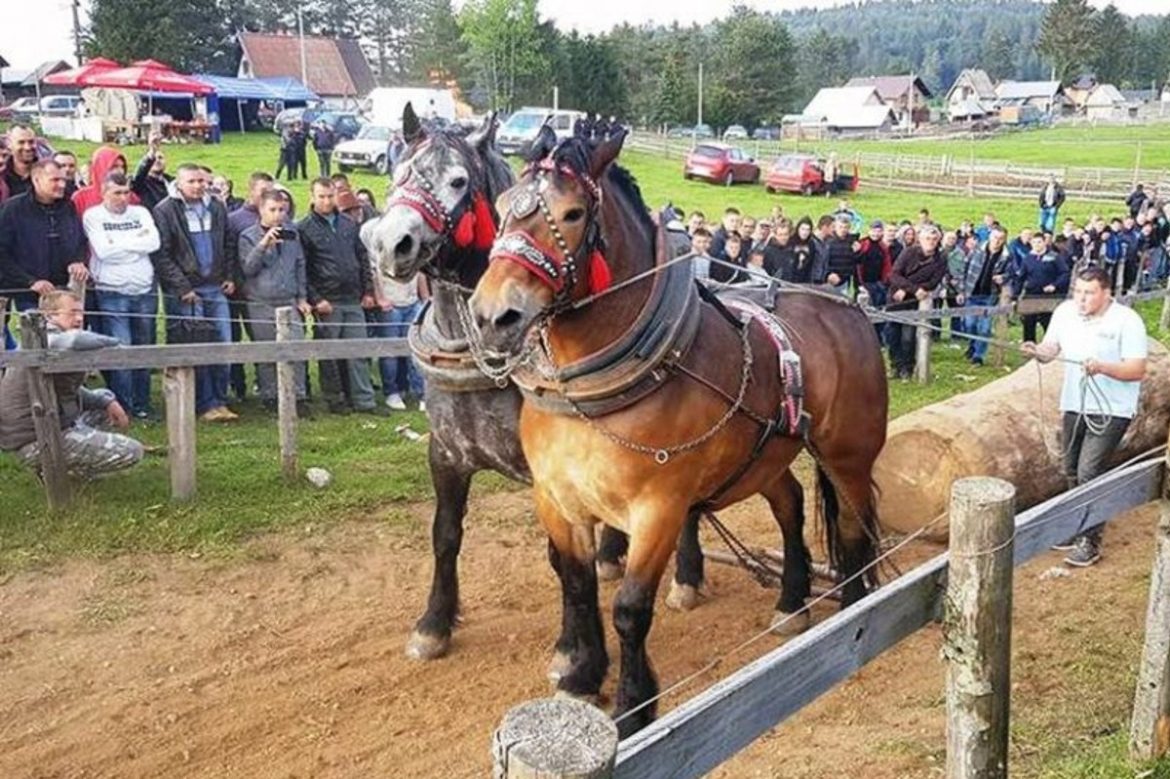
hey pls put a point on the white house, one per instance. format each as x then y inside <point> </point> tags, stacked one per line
<point>848,109</point>
<point>971,96</point>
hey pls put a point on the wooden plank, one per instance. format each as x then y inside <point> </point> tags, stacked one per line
<point>977,629</point>
<point>3,321</point>
<point>179,394</point>
<point>1149,735</point>
<point>173,355</point>
<point>711,727</point>
<point>1164,322</point>
<point>999,328</point>
<point>46,415</point>
<point>922,344</point>
<point>286,398</point>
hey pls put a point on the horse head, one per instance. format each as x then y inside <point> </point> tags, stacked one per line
<point>439,210</point>
<point>548,254</point>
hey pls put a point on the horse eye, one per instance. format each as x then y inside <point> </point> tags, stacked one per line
<point>458,183</point>
<point>575,215</point>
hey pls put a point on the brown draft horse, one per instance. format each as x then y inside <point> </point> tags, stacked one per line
<point>590,470</point>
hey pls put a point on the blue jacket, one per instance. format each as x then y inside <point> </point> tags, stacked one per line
<point>1037,272</point>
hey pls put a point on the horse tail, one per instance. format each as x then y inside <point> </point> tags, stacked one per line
<point>830,511</point>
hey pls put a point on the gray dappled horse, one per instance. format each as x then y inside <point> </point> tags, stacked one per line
<point>439,220</point>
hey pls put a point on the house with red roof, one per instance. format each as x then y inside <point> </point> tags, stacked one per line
<point>334,68</point>
<point>906,96</point>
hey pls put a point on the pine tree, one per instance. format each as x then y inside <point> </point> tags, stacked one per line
<point>189,35</point>
<point>1069,37</point>
<point>670,102</point>
<point>997,56</point>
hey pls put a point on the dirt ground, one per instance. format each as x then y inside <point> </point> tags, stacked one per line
<point>287,661</point>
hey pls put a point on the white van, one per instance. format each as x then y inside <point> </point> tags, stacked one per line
<point>385,105</point>
<point>517,134</point>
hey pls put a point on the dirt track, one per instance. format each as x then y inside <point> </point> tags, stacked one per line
<point>288,661</point>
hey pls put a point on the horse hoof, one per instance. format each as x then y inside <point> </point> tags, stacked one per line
<point>592,700</point>
<point>610,572</point>
<point>683,597</point>
<point>422,646</point>
<point>786,624</point>
<point>559,666</point>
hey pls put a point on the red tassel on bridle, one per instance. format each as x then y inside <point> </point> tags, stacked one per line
<point>485,224</point>
<point>599,276</point>
<point>476,227</point>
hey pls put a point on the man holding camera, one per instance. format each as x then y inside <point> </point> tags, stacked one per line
<point>272,263</point>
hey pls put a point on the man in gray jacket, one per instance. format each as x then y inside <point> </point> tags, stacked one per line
<point>89,450</point>
<point>272,262</point>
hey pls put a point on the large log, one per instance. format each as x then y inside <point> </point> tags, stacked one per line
<point>998,430</point>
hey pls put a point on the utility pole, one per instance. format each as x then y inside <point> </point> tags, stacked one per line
<point>76,31</point>
<point>556,97</point>
<point>301,32</point>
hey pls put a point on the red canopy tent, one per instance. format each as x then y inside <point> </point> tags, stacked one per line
<point>81,75</point>
<point>149,76</point>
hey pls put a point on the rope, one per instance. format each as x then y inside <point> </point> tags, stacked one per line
<point>717,661</point>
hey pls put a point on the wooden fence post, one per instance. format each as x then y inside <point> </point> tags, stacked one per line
<point>46,415</point>
<point>922,347</point>
<point>1149,735</point>
<point>555,738</point>
<point>1164,322</point>
<point>3,321</point>
<point>978,627</point>
<point>1000,328</point>
<point>179,394</point>
<point>286,398</point>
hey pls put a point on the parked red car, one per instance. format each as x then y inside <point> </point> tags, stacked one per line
<point>805,174</point>
<point>720,164</point>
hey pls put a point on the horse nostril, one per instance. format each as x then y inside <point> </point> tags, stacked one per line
<point>507,319</point>
<point>403,247</point>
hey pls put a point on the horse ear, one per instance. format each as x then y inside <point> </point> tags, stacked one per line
<point>483,137</point>
<point>411,126</point>
<point>605,152</point>
<point>546,141</point>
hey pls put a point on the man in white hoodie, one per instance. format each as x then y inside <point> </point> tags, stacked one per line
<point>122,236</point>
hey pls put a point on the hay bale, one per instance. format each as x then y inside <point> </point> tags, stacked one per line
<point>998,430</point>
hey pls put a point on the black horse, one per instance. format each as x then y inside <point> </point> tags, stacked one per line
<point>440,220</point>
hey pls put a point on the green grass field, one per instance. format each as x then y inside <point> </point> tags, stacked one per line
<point>376,470</point>
<point>1072,146</point>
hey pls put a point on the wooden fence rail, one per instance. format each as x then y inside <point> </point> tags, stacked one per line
<point>708,729</point>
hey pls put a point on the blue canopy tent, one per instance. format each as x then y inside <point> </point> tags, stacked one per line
<point>242,91</point>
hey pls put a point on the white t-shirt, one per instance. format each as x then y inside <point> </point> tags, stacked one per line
<point>1118,334</point>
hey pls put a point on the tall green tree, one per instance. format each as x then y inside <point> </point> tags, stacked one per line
<point>670,106</point>
<point>441,54</point>
<point>822,60</point>
<point>390,30</point>
<point>188,35</point>
<point>755,72</point>
<point>997,57</point>
<point>1114,62</point>
<point>502,48</point>
<point>1069,37</point>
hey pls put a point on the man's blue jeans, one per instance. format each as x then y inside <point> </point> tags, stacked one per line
<point>133,320</point>
<point>394,324</point>
<point>978,326</point>
<point>1048,220</point>
<point>211,382</point>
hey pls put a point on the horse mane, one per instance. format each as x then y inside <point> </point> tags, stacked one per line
<point>574,153</point>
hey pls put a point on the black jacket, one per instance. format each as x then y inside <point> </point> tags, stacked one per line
<point>914,270</point>
<point>1057,196</point>
<point>336,263</point>
<point>150,190</point>
<point>39,242</point>
<point>175,265</point>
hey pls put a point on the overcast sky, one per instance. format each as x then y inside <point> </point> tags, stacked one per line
<point>37,30</point>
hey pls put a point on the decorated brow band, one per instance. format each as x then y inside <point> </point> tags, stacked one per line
<point>548,166</point>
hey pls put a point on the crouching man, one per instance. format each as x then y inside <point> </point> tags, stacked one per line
<point>89,449</point>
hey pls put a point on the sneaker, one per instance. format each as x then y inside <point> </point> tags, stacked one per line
<point>227,415</point>
<point>394,401</point>
<point>422,406</point>
<point>219,414</point>
<point>977,361</point>
<point>1085,553</point>
<point>1064,546</point>
<point>339,408</point>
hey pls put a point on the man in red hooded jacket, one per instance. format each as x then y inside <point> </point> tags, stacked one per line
<point>105,159</point>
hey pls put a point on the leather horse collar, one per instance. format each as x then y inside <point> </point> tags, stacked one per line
<point>445,363</point>
<point>634,365</point>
